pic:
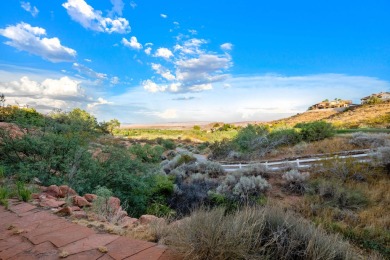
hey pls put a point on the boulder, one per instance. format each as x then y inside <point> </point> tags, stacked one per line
<point>79,214</point>
<point>75,208</point>
<point>147,219</point>
<point>121,214</point>
<point>66,211</point>
<point>51,203</point>
<point>53,190</point>
<point>114,203</point>
<point>80,201</point>
<point>90,197</point>
<point>128,222</point>
<point>66,191</point>
<point>35,196</point>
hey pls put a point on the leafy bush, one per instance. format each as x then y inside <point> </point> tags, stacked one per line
<point>254,233</point>
<point>315,131</point>
<point>286,136</point>
<point>190,195</point>
<point>147,153</point>
<point>251,137</point>
<point>221,149</point>
<point>296,182</point>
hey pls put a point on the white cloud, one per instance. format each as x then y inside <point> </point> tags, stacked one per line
<point>24,37</point>
<point>164,72</point>
<point>117,7</point>
<point>92,19</point>
<point>89,72</point>
<point>163,53</point>
<point>164,16</point>
<point>152,87</point>
<point>133,43</point>
<point>114,80</point>
<point>201,87</point>
<point>88,60</point>
<point>33,10</point>
<point>167,114</point>
<point>226,46</point>
<point>61,88</point>
<point>148,50</point>
<point>100,101</point>
<point>193,32</point>
<point>133,4</point>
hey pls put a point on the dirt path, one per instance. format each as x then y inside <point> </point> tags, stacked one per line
<point>28,232</point>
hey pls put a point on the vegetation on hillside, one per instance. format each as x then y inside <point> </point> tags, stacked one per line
<point>151,176</point>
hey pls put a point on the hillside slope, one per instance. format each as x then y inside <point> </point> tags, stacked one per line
<point>360,116</point>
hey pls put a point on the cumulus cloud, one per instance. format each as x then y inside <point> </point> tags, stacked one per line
<point>100,101</point>
<point>163,53</point>
<point>164,72</point>
<point>152,87</point>
<point>133,43</point>
<point>25,37</point>
<point>114,80</point>
<point>164,16</point>
<point>61,88</point>
<point>148,50</point>
<point>192,69</point>
<point>84,70</point>
<point>94,20</point>
<point>33,10</point>
<point>226,46</point>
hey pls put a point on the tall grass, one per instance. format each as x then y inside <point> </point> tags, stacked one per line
<point>254,233</point>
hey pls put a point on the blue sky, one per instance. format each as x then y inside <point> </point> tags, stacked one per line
<point>179,61</point>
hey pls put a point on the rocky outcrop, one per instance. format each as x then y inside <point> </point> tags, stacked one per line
<point>80,202</point>
<point>66,202</point>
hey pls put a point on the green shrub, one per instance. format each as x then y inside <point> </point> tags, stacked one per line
<point>147,153</point>
<point>286,136</point>
<point>315,131</point>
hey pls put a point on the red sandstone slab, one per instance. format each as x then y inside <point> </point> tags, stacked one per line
<point>152,253</point>
<point>106,257</point>
<point>24,256</point>
<point>124,247</point>
<point>64,236</point>
<point>10,242</point>
<point>94,241</point>
<point>33,211</point>
<point>45,249</point>
<point>87,255</point>
<point>21,208</point>
<point>54,225</point>
<point>16,249</point>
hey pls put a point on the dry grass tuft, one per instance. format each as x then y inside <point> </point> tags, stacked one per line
<point>254,233</point>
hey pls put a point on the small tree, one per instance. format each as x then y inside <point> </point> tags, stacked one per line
<point>113,124</point>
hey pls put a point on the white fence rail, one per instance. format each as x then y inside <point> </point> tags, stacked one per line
<point>299,163</point>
